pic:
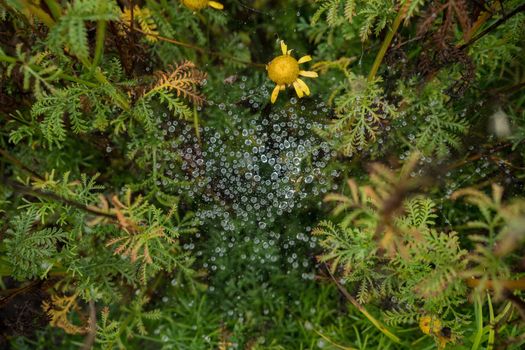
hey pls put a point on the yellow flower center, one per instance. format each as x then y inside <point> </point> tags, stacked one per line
<point>283,70</point>
<point>195,4</point>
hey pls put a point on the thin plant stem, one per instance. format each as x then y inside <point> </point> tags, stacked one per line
<point>132,17</point>
<point>493,26</point>
<point>478,311</point>
<point>8,59</point>
<point>99,44</point>
<point>77,80</point>
<point>92,329</point>
<point>196,123</point>
<point>388,39</point>
<point>365,312</point>
<point>55,8</point>
<point>38,193</point>
<point>493,284</point>
<point>20,188</point>
<point>19,164</point>
<point>120,99</point>
<point>201,49</point>
<point>334,343</point>
<point>39,13</point>
<point>492,333</point>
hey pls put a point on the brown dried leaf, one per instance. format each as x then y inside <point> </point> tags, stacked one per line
<point>184,79</point>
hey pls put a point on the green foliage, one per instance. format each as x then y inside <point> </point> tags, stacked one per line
<point>137,316</point>
<point>175,105</point>
<point>39,71</point>
<point>361,111</point>
<point>421,272</point>
<point>53,107</point>
<point>419,268</point>
<point>440,127</point>
<point>153,197</point>
<point>31,252</point>
<point>430,269</point>
<point>107,331</point>
<point>70,31</point>
<point>372,15</point>
<point>420,213</point>
<point>354,251</point>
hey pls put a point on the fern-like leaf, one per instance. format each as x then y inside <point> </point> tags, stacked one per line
<point>31,253</point>
<point>145,20</point>
<point>184,79</point>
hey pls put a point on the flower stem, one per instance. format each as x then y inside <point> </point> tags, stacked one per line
<point>77,80</point>
<point>18,164</point>
<point>120,98</point>
<point>388,39</point>
<point>8,59</point>
<point>99,44</point>
<point>55,8</point>
<point>201,49</point>
<point>365,312</point>
<point>519,9</point>
<point>196,123</point>
<point>39,13</point>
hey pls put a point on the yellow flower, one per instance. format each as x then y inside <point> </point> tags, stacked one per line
<point>197,5</point>
<point>284,71</point>
<point>430,325</point>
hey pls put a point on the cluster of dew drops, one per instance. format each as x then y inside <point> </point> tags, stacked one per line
<point>266,163</point>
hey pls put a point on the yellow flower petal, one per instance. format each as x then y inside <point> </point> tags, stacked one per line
<point>283,87</point>
<point>297,88</point>
<point>283,47</point>
<point>303,86</point>
<point>275,93</point>
<point>308,73</point>
<point>304,59</point>
<point>215,5</point>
